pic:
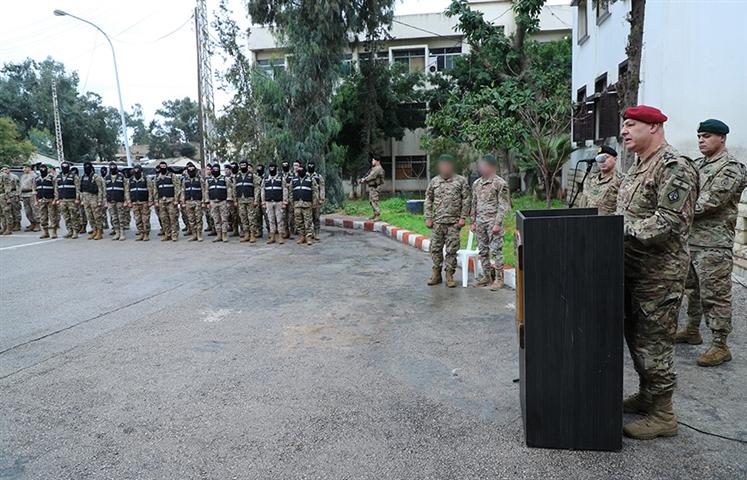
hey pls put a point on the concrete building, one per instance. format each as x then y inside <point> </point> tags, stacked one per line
<point>689,74</point>
<point>424,42</point>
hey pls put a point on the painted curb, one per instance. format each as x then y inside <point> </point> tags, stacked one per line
<point>406,237</point>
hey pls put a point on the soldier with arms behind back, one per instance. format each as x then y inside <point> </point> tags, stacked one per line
<point>374,179</point>
<point>139,197</point>
<point>68,199</point>
<point>45,195</point>
<point>194,197</point>
<point>167,195</point>
<point>600,190</point>
<point>305,195</point>
<point>28,179</point>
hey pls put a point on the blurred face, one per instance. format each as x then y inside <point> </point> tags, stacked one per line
<point>711,143</point>
<point>445,169</point>
<point>26,169</point>
<point>375,162</point>
<point>638,136</point>
<point>608,164</point>
<point>485,169</point>
<point>296,166</point>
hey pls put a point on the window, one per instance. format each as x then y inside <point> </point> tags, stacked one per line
<point>600,86</point>
<point>583,117</point>
<point>412,115</point>
<point>386,164</point>
<point>411,167</point>
<point>413,58</point>
<point>268,65</point>
<point>582,23</point>
<point>603,10</point>
<point>381,57</point>
<point>346,66</point>
<point>442,59</point>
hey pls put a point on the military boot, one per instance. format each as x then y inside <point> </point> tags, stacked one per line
<point>74,234</point>
<point>659,422</point>
<point>146,236</point>
<point>450,279</point>
<point>99,234</point>
<point>435,277</point>
<point>271,240</point>
<point>116,235</point>
<point>8,230</point>
<point>718,353</point>
<point>113,232</point>
<point>218,237</point>
<point>29,228</point>
<point>301,239</point>
<point>175,236</point>
<point>689,334</point>
<point>166,237</point>
<point>485,279</point>
<point>252,238</point>
<point>91,234</point>
<point>194,237</point>
<point>224,237</point>
<point>281,240</point>
<point>310,240</point>
<point>35,227</point>
<point>245,238</point>
<point>54,233</point>
<point>45,233</point>
<point>82,230</point>
<point>69,234</point>
<point>139,237</point>
<point>640,403</point>
<point>497,280</point>
<point>122,237</point>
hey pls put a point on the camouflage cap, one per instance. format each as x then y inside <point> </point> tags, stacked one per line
<point>446,157</point>
<point>490,159</point>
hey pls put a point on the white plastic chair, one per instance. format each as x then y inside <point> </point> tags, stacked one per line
<point>463,256</point>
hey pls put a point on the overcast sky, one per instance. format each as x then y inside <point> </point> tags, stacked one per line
<point>154,40</point>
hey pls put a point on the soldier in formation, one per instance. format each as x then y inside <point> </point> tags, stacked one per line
<point>68,199</point>
<point>27,181</point>
<point>374,179</point>
<point>117,188</point>
<point>316,210</point>
<point>490,202</point>
<point>708,285</point>
<point>247,190</point>
<point>167,194</point>
<point>261,216</point>
<point>15,203</point>
<point>92,197</point>
<point>447,202</point>
<point>8,195</point>
<point>305,196</point>
<point>274,201</point>
<point>44,193</point>
<point>140,198</point>
<point>600,190</point>
<point>194,198</point>
<point>288,220</point>
<point>220,195</point>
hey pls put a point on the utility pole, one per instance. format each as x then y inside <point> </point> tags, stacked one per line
<point>57,127</point>
<point>206,125</point>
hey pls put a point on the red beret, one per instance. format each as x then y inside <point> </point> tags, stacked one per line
<point>646,114</point>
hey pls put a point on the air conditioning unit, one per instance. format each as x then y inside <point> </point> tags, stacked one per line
<point>432,64</point>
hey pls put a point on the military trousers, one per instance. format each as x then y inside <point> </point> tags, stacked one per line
<point>708,288</point>
<point>119,214</point>
<point>651,309</point>
<point>219,212</point>
<point>49,213</point>
<point>262,220</point>
<point>304,222</point>
<point>15,204</point>
<point>247,211</point>
<point>193,211</point>
<point>445,236</point>
<point>31,210</point>
<point>275,215</point>
<point>489,245</point>
<point>94,210</point>
<point>316,217</point>
<point>373,200</point>
<point>168,214</point>
<point>70,213</point>
<point>6,212</point>
<point>289,220</point>
<point>141,211</point>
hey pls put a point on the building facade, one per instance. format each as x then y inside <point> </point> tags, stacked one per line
<point>426,42</point>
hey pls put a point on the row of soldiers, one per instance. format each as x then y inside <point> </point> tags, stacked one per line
<point>16,195</point>
<point>241,198</point>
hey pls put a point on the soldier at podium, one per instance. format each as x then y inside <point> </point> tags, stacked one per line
<point>657,199</point>
<point>600,190</point>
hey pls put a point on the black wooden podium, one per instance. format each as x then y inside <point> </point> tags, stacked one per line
<point>569,288</point>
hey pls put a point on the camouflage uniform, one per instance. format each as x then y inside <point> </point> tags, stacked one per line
<point>374,179</point>
<point>305,195</point>
<point>600,192</point>
<point>490,202</point>
<point>117,187</point>
<point>708,286</point>
<point>44,193</point>
<point>246,189</point>
<point>316,210</point>
<point>140,196</point>
<point>167,195</point>
<point>274,201</point>
<point>7,193</point>
<point>220,191</point>
<point>288,219</point>
<point>446,202</point>
<point>68,192</point>
<point>194,196</point>
<point>657,199</point>
<point>28,180</point>
<point>92,196</point>
<point>15,202</point>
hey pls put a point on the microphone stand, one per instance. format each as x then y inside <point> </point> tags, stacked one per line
<point>588,169</point>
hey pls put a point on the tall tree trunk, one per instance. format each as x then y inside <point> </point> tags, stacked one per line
<point>629,83</point>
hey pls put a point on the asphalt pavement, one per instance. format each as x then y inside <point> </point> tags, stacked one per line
<point>125,360</point>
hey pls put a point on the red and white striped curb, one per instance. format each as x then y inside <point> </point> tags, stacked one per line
<point>399,234</point>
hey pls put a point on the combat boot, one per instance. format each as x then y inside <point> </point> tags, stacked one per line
<point>252,238</point>
<point>485,279</point>
<point>139,237</point>
<point>640,403</point>
<point>450,279</point>
<point>435,277</point>
<point>281,240</point>
<point>497,280</point>
<point>718,353</point>
<point>82,230</point>
<point>91,234</point>
<point>310,240</point>
<point>113,232</point>
<point>659,422</point>
<point>689,334</point>
<point>175,236</point>
<point>74,234</point>
<point>116,235</point>
<point>8,230</point>
<point>224,237</point>
<point>245,238</point>
<point>54,233</point>
<point>165,237</point>
<point>199,235</point>
<point>301,239</point>
<point>271,240</point>
<point>122,237</point>
<point>45,233</point>
<point>146,236</point>
<point>36,227</point>
<point>194,237</point>
<point>17,227</point>
<point>29,228</point>
<point>218,237</point>
<point>99,234</point>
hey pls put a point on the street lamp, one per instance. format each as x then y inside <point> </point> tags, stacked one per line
<point>60,13</point>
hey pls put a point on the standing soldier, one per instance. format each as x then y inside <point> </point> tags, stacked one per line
<point>220,192</point>
<point>166,195</point>
<point>116,195</point>
<point>92,196</point>
<point>82,220</point>
<point>317,209</point>
<point>708,286</point>
<point>490,202</point>
<point>28,179</point>
<point>600,190</point>
<point>374,179</point>
<point>233,211</point>
<point>44,193</point>
<point>194,197</point>
<point>247,191</point>
<point>305,194</point>
<point>446,207</point>
<point>103,171</point>
<point>261,215</point>
<point>15,203</point>
<point>288,209</point>
<point>7,193</point>
<point>139,197</point>
<point>274,201</point>
<point>657,199</point>
<point>68,199</point>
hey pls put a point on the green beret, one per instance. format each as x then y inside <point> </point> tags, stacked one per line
<point>713,126</point>
<point>446,157</point>
<point>490,159</point>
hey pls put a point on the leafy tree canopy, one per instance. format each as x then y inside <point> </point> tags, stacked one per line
<point>14,149</point>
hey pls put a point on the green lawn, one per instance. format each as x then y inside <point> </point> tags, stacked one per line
<point>394,211</point>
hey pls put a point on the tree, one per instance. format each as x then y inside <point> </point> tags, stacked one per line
<point>13,148</point>
<point>628,83</point>
<point>136,124</point>
<point>180,119</point>
<point>44,142</point>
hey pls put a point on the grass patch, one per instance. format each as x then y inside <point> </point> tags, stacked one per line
<point>394,211</point>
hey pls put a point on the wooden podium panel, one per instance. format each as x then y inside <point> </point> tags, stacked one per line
<point>570,327</point>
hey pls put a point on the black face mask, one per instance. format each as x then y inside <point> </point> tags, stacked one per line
<point>301,172</point>
<point>311,168</point>
<point>216,172</point>
<point>65,169</point>
<point>192,171</point>
<point>273,171</point>
<point>103,171</point>
<point>43,172</point>
<point>244,169</point>
<point>88,169</point>
<point>113,170</point>
<point>260,170</point>
<point>137,172</point>
<point>163,170</point>
<point>234,169</point>
<point>286,167</point>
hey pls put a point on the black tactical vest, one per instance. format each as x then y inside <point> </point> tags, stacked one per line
<point>274,189</point>
<point>138,189</point>
<point>45,188</point>
<point>245,185</point>
<point>115,188</point>
<point>88,185</point>
<point>302,189</point>
<point>193,189</point>
<point>165,186</point>
<point>66,187</point>
<point>217,189</point>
